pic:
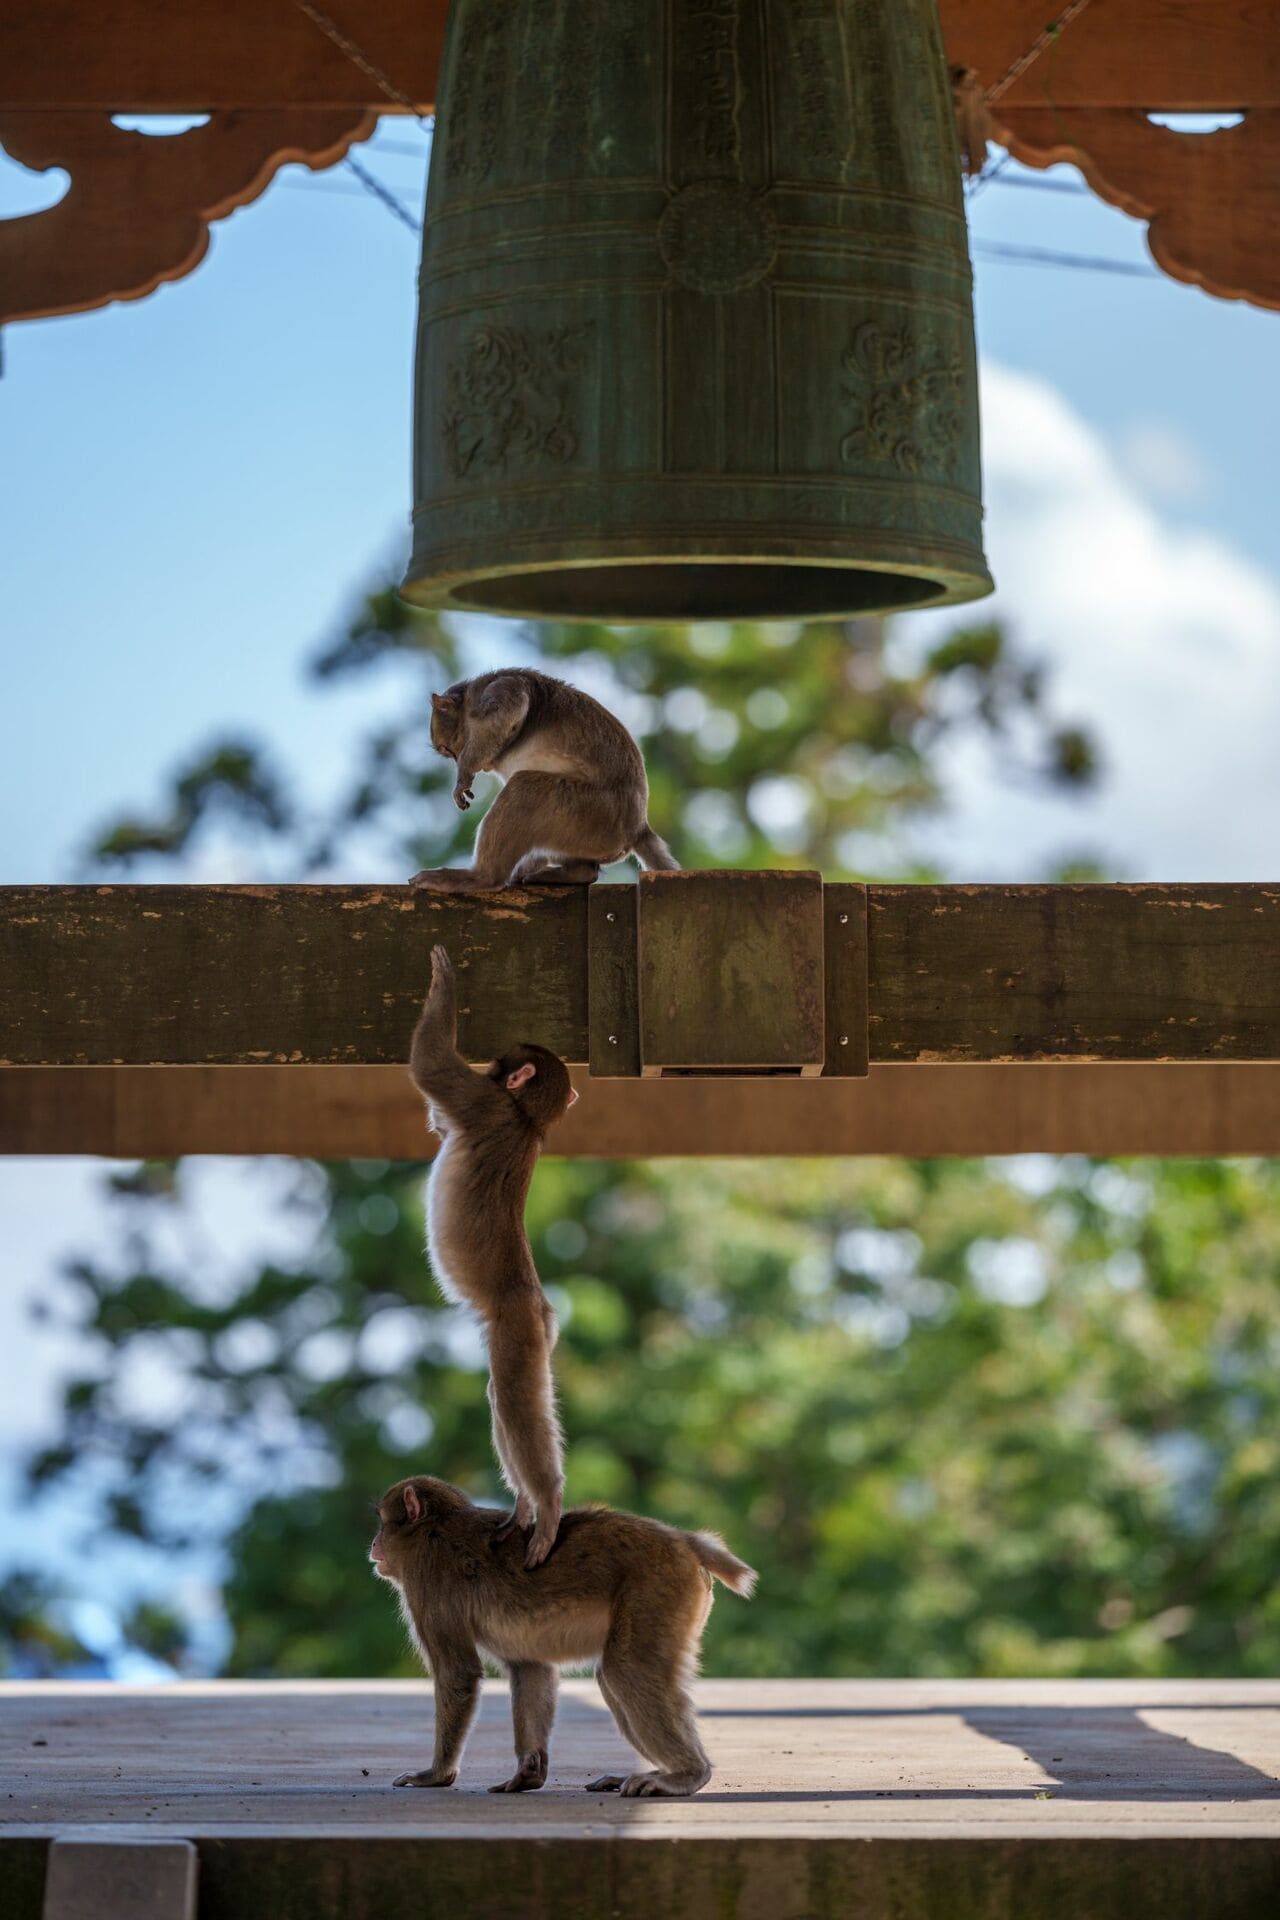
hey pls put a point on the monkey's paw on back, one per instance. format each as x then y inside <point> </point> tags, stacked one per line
<point>429,1778</point>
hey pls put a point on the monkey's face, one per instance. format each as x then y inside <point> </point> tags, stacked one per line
<point>402,1511</point>
<point>538,1079</point>
<point>399,1510</point>
<point>378,1551</point>
<point>446,724</point>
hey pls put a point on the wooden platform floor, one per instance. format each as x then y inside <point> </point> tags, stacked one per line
<point>850,1757</point>
<point>807,1772</point>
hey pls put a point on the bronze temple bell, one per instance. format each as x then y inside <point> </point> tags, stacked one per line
<point>695,333</point>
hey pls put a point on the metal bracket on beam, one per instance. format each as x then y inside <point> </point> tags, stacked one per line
<point>732,973</point>
<point>847,994</point>
<point>613,1027</point>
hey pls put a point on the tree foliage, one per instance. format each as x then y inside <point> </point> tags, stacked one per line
<point>966,1417</point>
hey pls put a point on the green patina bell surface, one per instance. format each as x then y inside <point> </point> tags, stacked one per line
<point>695,334</point>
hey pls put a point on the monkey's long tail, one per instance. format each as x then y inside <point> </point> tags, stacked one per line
<point>653,852</point>
<point>726,1566</point>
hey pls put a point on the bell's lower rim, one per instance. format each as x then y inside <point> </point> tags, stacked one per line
<point>686,587</point>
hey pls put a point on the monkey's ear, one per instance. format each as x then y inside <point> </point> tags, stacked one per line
<point>444,703</point>
<point>412,1504</point>
<point>572,1101</point>
<point>521,1077</point>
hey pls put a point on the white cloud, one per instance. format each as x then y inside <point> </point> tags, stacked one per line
<point>1162,638</point>
<point>1162,462</point>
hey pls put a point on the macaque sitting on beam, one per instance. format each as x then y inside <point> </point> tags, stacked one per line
<point>576,793</point>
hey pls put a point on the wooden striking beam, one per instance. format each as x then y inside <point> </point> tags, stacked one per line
<point>101,976</point>
<point>202,55</point>
<point>372,1113</point>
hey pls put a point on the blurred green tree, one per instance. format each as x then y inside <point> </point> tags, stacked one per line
<point>965,1417</point>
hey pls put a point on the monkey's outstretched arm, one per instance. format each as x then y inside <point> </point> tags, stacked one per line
<point>457,1674</point>
<point>495,717</point>
<point>437,1068</point>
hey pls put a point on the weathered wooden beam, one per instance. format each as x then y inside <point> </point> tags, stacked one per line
<point>1074,973</point>
<point>372,1113</point>
<point>238,975</point>
<point>199,55</point>
<point>101,976</point>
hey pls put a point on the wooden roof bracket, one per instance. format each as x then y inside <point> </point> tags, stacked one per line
<point>139,207</point>
<point>727,974</point>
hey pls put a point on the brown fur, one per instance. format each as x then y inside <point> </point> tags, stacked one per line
<point>576,795</point>
<point>491,1127</point>
<point>631,1593</point>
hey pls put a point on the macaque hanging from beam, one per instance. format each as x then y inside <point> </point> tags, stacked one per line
<point>491,1127</point>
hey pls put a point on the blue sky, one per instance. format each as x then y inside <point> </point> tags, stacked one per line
<point>194,485</point>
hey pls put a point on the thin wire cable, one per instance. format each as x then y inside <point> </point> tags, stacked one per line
<point>988,174</point>
<point>408,149</point>
<point>358,57</point>
<point>1044,257</point>
<point>1052,33</point>
<point>379,192</point>
<point>352,192</point>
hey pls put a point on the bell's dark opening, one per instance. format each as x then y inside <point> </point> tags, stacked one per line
<point>696,591</point>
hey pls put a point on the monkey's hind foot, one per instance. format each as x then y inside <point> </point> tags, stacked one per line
<point>542,1539</point>
<point>444,880</point>
<point>528,1776</point>
<point>519,1520</point>
<point>607,1783</point>
<point>429,1778</point>
<point>670,1786</point>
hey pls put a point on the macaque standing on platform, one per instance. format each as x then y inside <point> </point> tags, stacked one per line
<point>491,1128</point>
<point>630,1593</point>
<point>576,793</point>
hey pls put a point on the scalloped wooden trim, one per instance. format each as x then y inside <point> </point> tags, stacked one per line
<point>1211,200</point>
<point>138,209</point>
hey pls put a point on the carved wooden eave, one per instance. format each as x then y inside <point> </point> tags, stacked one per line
<point>138,209</point>
<point>278,90</point>
<point>1211,201</point>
